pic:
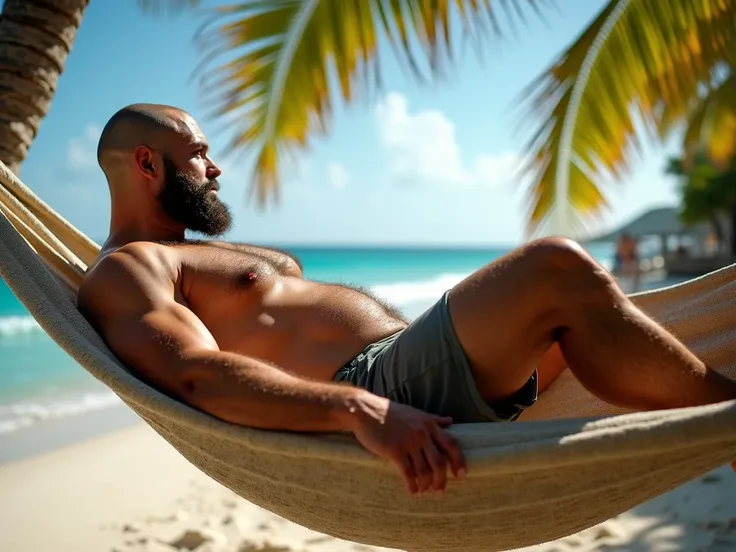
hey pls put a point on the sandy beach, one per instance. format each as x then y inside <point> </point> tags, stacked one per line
<point>128,490</point>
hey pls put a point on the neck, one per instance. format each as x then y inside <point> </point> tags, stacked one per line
<point>130,223</point>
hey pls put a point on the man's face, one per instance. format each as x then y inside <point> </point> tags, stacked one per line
<point>192,201</point>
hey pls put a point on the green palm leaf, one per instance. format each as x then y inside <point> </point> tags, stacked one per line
<point>290,60</point>
<point>712,126</point>
<point>639,58</point>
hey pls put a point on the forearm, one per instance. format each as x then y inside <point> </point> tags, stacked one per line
<point>248,392</point>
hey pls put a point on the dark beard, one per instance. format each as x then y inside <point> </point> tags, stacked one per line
<point>188,203</point>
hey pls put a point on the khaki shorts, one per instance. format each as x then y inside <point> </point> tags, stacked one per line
<point>424,366</point>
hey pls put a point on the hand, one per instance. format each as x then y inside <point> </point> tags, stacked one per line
<point>414,440</point>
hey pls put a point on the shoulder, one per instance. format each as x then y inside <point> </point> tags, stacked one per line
<point>130,259</point>
<point>134,271</point>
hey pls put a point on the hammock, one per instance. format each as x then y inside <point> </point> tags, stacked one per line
<point>572,462</point>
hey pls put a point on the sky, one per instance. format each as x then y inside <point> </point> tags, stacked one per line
<point>418,164</point>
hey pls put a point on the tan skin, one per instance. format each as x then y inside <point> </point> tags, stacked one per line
<point>238,332</point>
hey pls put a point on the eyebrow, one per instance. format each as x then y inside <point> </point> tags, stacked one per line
<point>200,144</point>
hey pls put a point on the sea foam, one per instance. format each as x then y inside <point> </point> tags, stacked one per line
<point>15,325</point>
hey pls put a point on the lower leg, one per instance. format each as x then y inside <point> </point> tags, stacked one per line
<point>624,357</point>
<point>627,359</point>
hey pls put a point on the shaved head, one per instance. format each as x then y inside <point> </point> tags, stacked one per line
<point>136,125</point>
<point>163,148</point>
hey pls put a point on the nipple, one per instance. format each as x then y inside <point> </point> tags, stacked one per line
<point>248,279</point>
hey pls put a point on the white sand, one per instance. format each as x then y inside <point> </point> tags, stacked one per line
<point>131,491</point>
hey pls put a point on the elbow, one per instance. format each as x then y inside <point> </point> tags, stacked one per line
<point>220,407</point>
<point>205,383</point>
<point>208,397</point>
<point>198,384</point>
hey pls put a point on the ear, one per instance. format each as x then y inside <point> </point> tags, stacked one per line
<point>146,162</point>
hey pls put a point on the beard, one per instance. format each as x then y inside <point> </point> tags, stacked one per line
<point>190,204</point>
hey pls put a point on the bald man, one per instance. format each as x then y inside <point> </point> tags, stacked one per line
<point>238,332</point>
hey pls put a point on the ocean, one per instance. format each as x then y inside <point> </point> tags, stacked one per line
<point>40,382</point>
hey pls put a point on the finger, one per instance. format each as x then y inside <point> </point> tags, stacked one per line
<point>422,469</point>
<point>449,447</point>
<point>406,467</point>
<point>438,464</point>
<point>444,421</point>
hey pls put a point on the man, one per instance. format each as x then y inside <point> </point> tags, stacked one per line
<point>626,260</point>
<point>237,332</point>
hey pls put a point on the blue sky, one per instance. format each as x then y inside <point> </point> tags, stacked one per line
<point>421,164</point>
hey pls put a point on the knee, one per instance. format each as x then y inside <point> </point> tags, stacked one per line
<point>566,261</point>
<point>557,253</point>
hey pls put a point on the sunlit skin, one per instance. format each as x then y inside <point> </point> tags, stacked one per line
<point>238,331</point>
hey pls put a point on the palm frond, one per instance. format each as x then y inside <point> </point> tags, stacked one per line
<point>639,58</point>
<point>712,126</point>
<point>291,60</point>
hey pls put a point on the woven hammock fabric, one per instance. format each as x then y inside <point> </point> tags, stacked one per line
<point>570,463</point>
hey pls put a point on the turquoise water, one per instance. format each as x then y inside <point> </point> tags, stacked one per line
<point>38,381</point>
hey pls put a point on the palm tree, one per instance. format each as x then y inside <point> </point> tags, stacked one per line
<point>664,63</point>
<point>290,60</point>
<point>276,86</point>
<point>725,183</point>
<point>36,37</point>
<point>708,193</point>
<point>659,64</point>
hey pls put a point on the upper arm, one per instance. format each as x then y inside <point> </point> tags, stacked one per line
<point>129,299</point>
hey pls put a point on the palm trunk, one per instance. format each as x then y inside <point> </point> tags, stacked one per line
<point>36,37</point>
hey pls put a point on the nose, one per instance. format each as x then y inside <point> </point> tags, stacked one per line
<point>213,171</point>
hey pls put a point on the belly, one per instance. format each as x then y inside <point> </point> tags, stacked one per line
<point>305,327</point>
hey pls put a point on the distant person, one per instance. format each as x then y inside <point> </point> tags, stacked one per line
<point>712,244</point>
<point>238,332</point>
<point>626,260</point>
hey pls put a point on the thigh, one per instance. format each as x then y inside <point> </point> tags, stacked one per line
<point>426,367</point>
<point>503,320</point>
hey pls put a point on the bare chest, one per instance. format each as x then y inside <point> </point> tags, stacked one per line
<point>215,281</point>
<point>251,307</point>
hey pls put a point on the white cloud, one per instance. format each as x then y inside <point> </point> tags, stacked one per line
<point>423,149</point>
<point>81,154</point>
<point>337,175</point>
